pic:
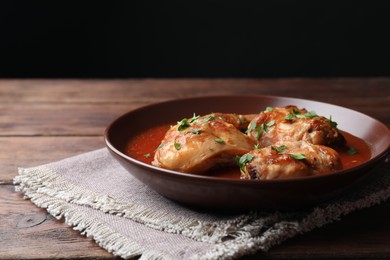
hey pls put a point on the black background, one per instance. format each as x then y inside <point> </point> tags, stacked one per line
<point>122,39</point>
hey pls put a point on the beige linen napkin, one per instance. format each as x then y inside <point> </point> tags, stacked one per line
<point>95,195</point>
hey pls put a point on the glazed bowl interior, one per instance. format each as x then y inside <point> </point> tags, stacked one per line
<point>231,194</point>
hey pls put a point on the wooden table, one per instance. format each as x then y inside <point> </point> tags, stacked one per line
<point>46,120</point>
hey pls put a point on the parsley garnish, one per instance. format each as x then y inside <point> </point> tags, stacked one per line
<point>251,127</point>
<point>352,151</point>
<point>177,146</point>
<point>292,114</point>
<point>147,155</point>
<point>271,123</point>
<point>311,114</point>
<point>290,117</point>
<point>265,126</point>
<point>259,129</point>
<point>183,124</point>
<point>332,123</point>
<point>210,118</point>
<point>279,149</point>
<point>296,114</point>
<point>298,156</point>
<point>195,131</point>
<point>219,140</point>
<point>269,109</point>
<point>194,118</point>
<point>243,160</point>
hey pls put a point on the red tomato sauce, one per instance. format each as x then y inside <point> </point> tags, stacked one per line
<point>143,146</point>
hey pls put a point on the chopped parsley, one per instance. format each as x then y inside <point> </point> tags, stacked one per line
<point>269,124</point>
<point>260,128</point>
<point>290,117</point>
<point>177,146</point>
<point>147,155</point>
<point>251,127</point>
<point>255,127</point>
<point>298,156</point>
<point>243,160</point>
<point>194,118</point>
<point>219,140</point>
<point>309,114</point>
<point>195,131</point>
<point>352,151</point>
<point>279,149</point>
<point>209,118</point>
<point>259,131</point>
<point>183,124</point>
<point>332,123</point>
<point>296,114</point>
<point>269,109</point>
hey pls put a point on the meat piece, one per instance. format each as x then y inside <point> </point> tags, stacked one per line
<point>293,124</point>
<point>289,159</point>
<point>200,143</point>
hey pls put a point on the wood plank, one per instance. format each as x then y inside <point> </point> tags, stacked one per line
<point>31,119</point>
<point>26,232</point>
<point>33,151</point>
<point>153,90</point>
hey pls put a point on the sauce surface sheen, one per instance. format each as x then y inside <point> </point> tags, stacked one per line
<point>142,148</point>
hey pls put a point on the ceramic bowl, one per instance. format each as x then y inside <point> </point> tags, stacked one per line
<point>233,194</point>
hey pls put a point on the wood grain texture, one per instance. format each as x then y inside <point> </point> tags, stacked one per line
<point>140,92</point>
<point>28,232</point>
<point>47,120</point>
<point>33,151</point>
<point>51,119</point>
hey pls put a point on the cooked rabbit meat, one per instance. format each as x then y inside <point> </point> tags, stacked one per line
<point>288,159</point>
<point>293,124</point>
<point>200,143</point>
